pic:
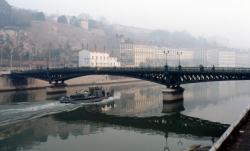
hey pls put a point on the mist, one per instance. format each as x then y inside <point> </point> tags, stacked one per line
<point>226,21</point>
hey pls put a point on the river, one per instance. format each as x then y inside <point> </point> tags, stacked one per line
<point>136,118</point>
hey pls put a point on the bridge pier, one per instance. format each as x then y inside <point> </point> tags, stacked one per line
<point>173,100</point>
<point>171,95</point>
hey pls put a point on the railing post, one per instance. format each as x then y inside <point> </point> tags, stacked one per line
<point>166,68</point>
<point>179,67</point>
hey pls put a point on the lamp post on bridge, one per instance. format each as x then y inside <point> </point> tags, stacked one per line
<point>11,59</point>
<point>166,52</point>
<point>179,55</point>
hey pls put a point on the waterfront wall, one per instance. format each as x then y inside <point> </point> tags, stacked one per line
<point>11,84</point>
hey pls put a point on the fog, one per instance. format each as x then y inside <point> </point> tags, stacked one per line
<point>226,21</point>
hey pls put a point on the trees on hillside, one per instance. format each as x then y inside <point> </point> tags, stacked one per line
<point>62,19</point>
<point>39,16</point>
<point>5,11</point>
<point>14,17</point>
<point>74,21</point>
<point>20,17</point>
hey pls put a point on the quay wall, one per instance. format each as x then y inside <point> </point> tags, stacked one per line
<point>12,84</point>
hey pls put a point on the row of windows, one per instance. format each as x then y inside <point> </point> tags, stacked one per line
<point>126,46</point>
<point>103,58</point>
<point>105,64</point>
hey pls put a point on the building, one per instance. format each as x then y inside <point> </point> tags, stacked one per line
<point>227,58</point>
<point>135,55</point>
<point>221,58</point>
<point>242,59</point>
<point>97,59</point>
<point>127,57</point>
<point>85,24</point>
<point>199,57</point>
<point>212,58</point>
<point>147,55</point>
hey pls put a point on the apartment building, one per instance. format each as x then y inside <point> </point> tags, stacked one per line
<point>97,59</point>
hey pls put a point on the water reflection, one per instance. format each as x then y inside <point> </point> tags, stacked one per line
<point>28,134</point>
<point>138,117</point>
<point>216,100</point>
<point>173,107</point>
<point>143,101</point>
<point>22,96</point>
<point>176,123</point>
<point>55,96</point>
<point>90,120</point>
<point>41,94</point>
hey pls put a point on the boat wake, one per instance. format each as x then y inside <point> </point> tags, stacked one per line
<point>14,113</point>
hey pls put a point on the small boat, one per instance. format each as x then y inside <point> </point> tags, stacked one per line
<point>94,94</point>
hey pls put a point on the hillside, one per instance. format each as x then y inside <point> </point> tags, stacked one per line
<point>32,34</point>
<point>163,38</point>
<point>58,35</point>
<point>5,13</point>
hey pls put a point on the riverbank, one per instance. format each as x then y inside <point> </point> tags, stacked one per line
<point>33,84</point>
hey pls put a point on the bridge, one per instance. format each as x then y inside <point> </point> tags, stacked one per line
<point>172,77</point>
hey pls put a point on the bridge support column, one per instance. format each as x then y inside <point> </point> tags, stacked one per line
<point>171,95</point>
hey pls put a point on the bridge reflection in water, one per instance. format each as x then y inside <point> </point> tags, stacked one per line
<point>88,120</point>
<point>176,123</point>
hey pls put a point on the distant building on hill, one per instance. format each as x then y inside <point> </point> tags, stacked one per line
<point>85,24</point>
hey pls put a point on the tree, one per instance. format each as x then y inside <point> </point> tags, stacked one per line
<point>62,19</point>
<point>74,21</point>
<point>38,16</point>
<point>93,24</point>
<point>5,12</point>
<point>21,17</point>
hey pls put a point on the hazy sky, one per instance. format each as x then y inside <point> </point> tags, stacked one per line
<point>227,20</point>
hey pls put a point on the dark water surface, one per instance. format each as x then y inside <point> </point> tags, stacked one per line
<point>135,119</point>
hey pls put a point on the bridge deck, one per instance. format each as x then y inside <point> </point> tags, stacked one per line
<point>171,77</point>
<point>237,137</point>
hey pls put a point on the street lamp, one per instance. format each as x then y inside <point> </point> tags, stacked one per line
<point>48,58</point>
<point>166,53</point>
<point>96,60</point>
<point>11,59</point>
<point>179,54</point>
<point>30,60</point>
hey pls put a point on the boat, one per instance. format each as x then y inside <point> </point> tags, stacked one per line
<point>94,94</point>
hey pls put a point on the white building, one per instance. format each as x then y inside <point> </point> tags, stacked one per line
<point>219,58</point>
<point>243,59</point>
<point>85,24</point>
<point>97,59</point>
<point>149,55</point>
<point>227,59</point>
<point>212,58</point>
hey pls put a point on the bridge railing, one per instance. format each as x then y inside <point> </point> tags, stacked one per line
<point>209,69</point>
<point>155,69</point>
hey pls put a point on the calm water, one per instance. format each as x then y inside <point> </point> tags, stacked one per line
<point>34,121</point>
